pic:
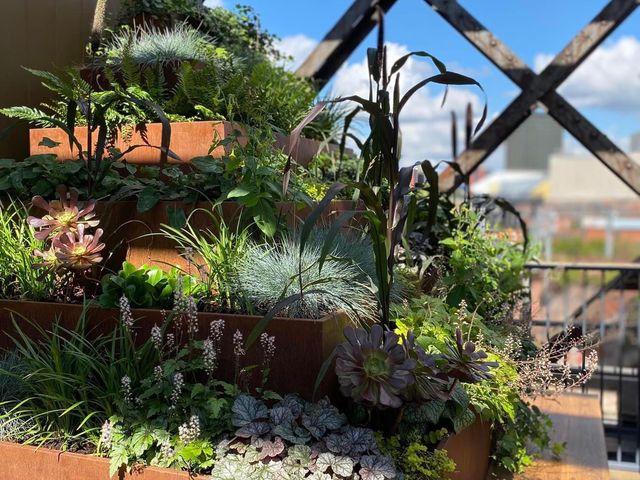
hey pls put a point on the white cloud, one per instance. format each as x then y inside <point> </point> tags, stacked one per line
<point>298,47</point>
<point>425,125</point>
<point>213,3</point>
<point>608,79</point>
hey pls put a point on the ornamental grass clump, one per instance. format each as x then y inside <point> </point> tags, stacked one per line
<point>269,274</point>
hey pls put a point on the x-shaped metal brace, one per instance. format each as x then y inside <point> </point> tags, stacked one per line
<point>537,90</point>
<point>541,88</point>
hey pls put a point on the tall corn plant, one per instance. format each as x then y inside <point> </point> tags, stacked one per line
<point>385,188</point>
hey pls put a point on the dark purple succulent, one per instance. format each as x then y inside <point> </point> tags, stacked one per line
<point>465,363</point>
<point>374,368</point>
<point>430,382</point>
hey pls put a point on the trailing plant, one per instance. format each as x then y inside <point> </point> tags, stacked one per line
<point>418,460</point>
<point>271,273</point>
<point>147,287</point>
<point>298,439</point>
<point>524,438</point>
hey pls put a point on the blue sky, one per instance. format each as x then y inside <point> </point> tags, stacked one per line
<point>606,88</point>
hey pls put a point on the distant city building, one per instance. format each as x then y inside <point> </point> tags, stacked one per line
<point>584,179</point>
<point>533,142</point>
<point>635,142</point>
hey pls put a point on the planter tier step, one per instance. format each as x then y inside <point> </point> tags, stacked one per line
<point>188,140</point>
<point>302,345</point>
<point>136,237</point>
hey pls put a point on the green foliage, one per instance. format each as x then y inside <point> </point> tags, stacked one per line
<point>270,273</point>
<point>530,427</point>
<point>416,460</point>
<point>215,255</point>
<point>486,270</point>
<point>71,377</point>
<point>174,417</point>
<point>146,287</point>
<point>19,278</point>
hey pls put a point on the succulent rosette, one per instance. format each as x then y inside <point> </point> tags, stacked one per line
<point>373,367</point>
<point>63,215</point>
<point>77,250</point>
<point>50,260</point>
<point>467,364</point>
<point>430,382</point>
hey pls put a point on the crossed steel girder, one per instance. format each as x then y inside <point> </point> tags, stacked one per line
<point>536,89</point>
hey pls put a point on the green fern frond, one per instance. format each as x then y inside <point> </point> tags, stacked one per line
<point>31,115</point>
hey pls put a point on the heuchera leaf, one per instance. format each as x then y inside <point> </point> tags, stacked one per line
<point>463,420</point>
<point>253,429</point>
<point>246,409</point>
<point>292,432</point>
<point>320,417</point>
<point>339,465</point>
<point>377,467</point>
<point>271,449</point>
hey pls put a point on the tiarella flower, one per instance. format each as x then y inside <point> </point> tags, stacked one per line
<point>63,215</point>
<point>171,341</point>
<point>178,384</point>
<point>189,431</point>
<point>209,357</point>
<point>158,373</point>
<point>192,317</point>
<point>268,344</point>
<point>166,450</point>
<point>125,313</point>
<point>180,304</point>
<point>125,383</point>
<point>77,250</point>
<point>156,337</point>
<point>106,436</point>
<point>238,341</point>
<point>216,333</point>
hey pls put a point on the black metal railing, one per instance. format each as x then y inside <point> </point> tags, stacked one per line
<point>600,297</point>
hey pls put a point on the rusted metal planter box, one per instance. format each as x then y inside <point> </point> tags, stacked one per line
<point>302,345</point>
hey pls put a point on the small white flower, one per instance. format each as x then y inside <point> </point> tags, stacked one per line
<point>209,357</point>
<point>125,313</point>
<point>156,337</point>
<point>189,431</point>
<point>106,436</point>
